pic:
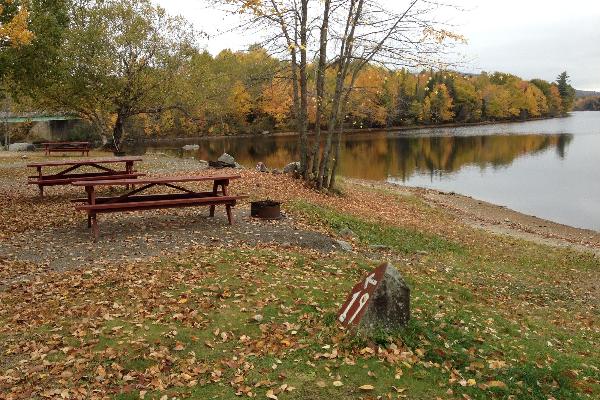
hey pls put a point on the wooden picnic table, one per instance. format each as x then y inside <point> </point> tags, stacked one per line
<point>61,147</point>
<point>66,175</point>
<point>134,200</point>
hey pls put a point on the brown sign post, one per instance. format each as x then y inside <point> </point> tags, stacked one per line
<point>356,303</point>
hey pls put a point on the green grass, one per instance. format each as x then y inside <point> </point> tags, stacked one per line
<point>372,233</point>
<point>452,330</point>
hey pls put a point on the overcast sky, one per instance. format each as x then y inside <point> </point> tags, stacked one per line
<point>529,38</point>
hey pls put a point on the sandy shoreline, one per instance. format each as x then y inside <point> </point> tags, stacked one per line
<point>500,219</point>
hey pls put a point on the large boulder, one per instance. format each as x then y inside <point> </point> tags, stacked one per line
<point>21,147</point>
<point>389,306</point>
<point>292,168</point>
<point>227,159</point>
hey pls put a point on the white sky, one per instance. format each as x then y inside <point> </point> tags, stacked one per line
<point>529,38</point>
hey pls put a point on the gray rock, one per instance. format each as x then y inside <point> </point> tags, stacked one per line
<point>291,168</point>
<point>21,147</point>
<point>265,132</point>
<point>258,318</point>
<point>343,245</point>
<point>389,307</point>
<point>238,166</point>
<point>347,233</point>
<point>276,171</point>
<point>203,164</point>
<point>226,159</point>
<point>261,167</point>
<point>190,147</point>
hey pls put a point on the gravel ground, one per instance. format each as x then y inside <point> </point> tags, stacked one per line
<point>126,236</point>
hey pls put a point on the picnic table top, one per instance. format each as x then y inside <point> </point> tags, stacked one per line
<point>47,143</point>
<point>86,161</point>
<point>157,180</point>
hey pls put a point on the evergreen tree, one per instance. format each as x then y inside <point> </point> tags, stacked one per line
<point>567,93</point>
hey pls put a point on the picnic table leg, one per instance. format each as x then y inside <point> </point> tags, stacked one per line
<point>229,215</point>
<point>224,185</point>
<point>92,220</point>
<point>129,171</point>
<point>215,190</point>
<point>39,170</point>
<point>89,200</point>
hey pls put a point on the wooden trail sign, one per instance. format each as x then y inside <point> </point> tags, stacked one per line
<point>380,299</point>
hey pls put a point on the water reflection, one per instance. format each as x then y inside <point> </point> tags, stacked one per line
<point>546,168</point>
<point>381,155</point>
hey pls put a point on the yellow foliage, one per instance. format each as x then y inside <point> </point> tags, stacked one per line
<point>366,97</point>
<point>441,104</point>
<point>240,100</point>
<point>15,32</point>
<point>277,100</point>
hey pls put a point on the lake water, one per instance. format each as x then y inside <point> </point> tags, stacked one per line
<point>548,168</point>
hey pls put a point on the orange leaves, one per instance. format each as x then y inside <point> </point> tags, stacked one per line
<point>441,35</point>
<point>15,31</point>
<point>276,100</point>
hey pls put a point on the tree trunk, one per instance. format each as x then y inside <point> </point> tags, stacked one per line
<point>336,156</point>
<point>118,131</point>
<point>320,87</point>
<point>346,52</point>
<point>303,91</point>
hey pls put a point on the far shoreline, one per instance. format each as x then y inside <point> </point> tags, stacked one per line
<point>405,130</point>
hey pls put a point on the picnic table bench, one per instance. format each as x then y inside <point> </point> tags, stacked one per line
<point>66,176</point>
<point>61,147</point>
<point>134,200</point>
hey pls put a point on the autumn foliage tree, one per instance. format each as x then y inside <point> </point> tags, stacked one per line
<point>14,21</point>
<point>348,36</point>
<point>118,59</point>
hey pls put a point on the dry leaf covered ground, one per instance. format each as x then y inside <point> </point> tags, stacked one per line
<point>170,304</point>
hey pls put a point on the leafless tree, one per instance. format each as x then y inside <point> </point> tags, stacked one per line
<point>355,33</point>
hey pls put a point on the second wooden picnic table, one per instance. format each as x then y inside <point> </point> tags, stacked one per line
<point>105,170</point>
<point>134,200</point>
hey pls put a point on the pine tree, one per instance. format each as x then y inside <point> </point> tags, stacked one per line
<point>567,93</point>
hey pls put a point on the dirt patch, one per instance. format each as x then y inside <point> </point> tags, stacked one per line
<point>137,236</point>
